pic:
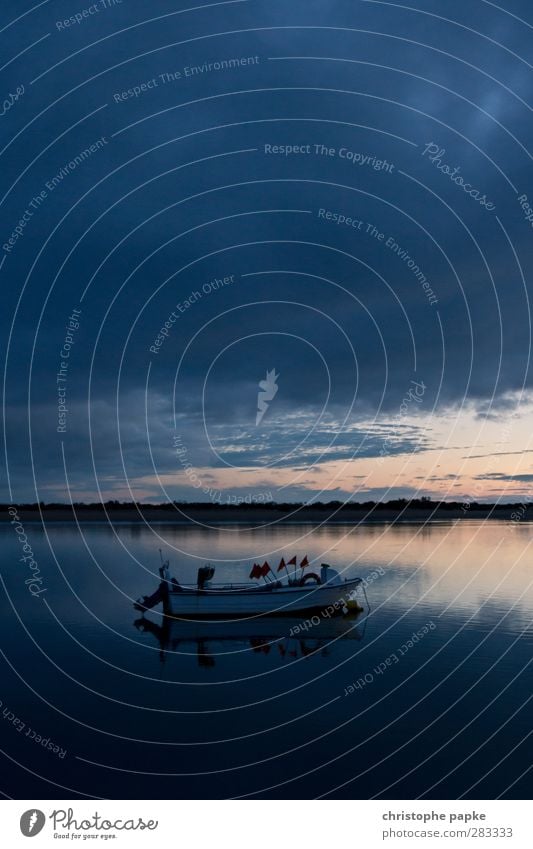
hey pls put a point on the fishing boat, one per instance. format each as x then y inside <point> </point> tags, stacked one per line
<point>293,593</point>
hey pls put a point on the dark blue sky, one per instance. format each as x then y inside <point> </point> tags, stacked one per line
<point>172,147</point>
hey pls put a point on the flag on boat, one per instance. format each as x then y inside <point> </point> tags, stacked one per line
<point>256,571</point>
<point>264,569</point>
<point>304,563</point>
<point>292,561</point>
<point>281,565</point>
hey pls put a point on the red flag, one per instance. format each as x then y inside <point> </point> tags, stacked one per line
<point>292,561</point>
<point>264,569</point>
<point>304,563</point>
<point>281,565</point>
<point>256,571</point>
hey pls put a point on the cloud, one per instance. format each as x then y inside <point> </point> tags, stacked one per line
<point>185,194</point>
<point>500,476</point>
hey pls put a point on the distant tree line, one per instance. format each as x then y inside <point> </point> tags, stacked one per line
<point>423,503</point>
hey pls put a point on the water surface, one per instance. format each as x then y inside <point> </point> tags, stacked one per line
<point>349,708</point>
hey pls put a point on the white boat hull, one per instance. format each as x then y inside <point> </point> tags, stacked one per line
<point>253,601</point>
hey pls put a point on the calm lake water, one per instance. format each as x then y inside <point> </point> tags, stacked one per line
<point>141,711</point>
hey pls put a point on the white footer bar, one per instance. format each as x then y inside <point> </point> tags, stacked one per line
<point>267,824</point>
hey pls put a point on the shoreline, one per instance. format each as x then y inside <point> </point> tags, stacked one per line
<point>265,517</point>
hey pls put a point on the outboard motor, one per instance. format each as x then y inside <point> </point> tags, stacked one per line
<point>205,573</point>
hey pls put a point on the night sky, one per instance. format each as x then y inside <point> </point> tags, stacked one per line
<point>335,193</point>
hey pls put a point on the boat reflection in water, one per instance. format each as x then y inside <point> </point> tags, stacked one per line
<point>287,638</point>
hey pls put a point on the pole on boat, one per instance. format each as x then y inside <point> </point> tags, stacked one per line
<point>163,569</point>
<point>292,562</point>
<point>283,565</point>
<point>303,564</point>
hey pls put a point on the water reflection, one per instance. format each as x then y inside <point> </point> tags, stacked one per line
<point>283,638</point>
